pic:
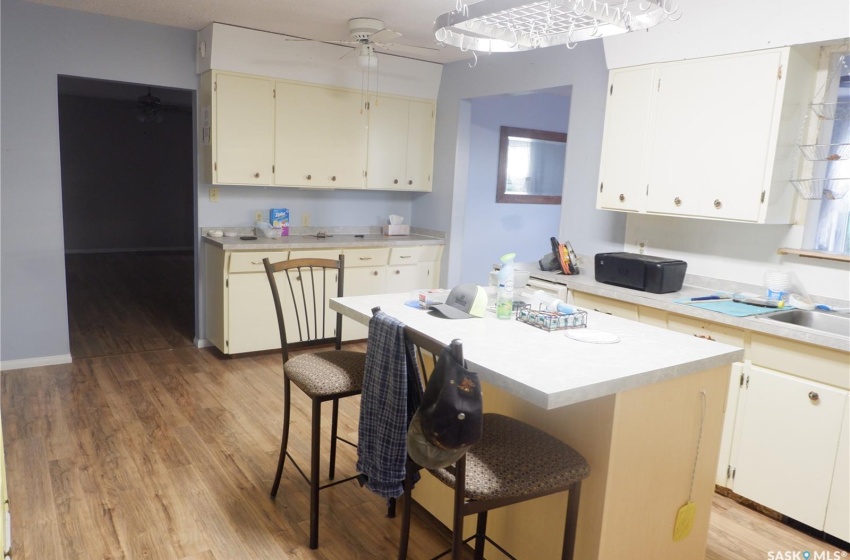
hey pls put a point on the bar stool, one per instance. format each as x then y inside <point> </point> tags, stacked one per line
<point>323,376</point>
<point>512,463</point>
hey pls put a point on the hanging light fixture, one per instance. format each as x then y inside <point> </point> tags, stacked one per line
<point>519,25</point>
<point>366,57</point>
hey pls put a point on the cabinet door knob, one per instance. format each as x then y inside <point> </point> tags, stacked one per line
<point>374,273</point>
<point>814,397</point>
<point>410,182</point>
<point>333,177</point>
<point>677,201</point>
<point>622,197</point>
<point>398,271</point>
<point>309,177</point>
<point>717,203</point>
<point>395,181</point>
<point>256,175</point>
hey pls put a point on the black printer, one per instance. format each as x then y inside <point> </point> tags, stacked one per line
<point>658,275</point>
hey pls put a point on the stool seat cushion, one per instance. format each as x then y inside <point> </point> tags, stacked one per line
<point>515,459</point>
<point>327,373</point>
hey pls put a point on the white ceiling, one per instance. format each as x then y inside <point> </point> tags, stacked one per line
<point>324,20</point>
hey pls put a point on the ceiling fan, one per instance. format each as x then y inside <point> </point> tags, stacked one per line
<point>367,34</point>
<point>151,108</point>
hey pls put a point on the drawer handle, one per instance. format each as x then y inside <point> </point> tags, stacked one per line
<point>309,177</point>
<point>814,397</point>
<point>677,201</point>
<point>405,256</point>
<point>333,177</point>
<point>717,203</point>
<point>410,182</point>
<point>622,198</point>
<point>705,336</point>
<point>398,271</point>
<point>600,311</point>
<point>395,181</point>
<point>374,273</point>
<point>256,262</point>
<point>365,258</point>
<point>256,175</point>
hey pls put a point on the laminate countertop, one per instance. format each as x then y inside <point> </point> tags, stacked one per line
<point>548,368</point>
<point>695,286</point>
<point>336,238</point>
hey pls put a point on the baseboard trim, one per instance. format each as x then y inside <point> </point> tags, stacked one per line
<point>35,362</point>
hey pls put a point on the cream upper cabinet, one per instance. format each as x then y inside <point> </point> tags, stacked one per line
<point>719,136</point>
<point>401,144</point>
<point>784,453</point>
<point>622,183</point>
<point>242,132</point>
<point>320,136</point>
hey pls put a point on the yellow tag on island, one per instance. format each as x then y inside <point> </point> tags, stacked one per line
<point>684,521</point>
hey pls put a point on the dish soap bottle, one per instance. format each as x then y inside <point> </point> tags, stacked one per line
<point>505,294</point>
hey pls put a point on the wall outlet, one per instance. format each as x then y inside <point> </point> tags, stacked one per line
<point>642,247</point>
<point>258,217</point>
<point>305,219</point>
<point>214,194</point>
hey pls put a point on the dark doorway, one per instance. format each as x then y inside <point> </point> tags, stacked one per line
<point>127,204</point>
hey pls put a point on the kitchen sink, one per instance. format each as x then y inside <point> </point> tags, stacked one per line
<point>828,322</point>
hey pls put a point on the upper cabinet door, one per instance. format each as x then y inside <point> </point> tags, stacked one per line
<point>320,138</point>
<point>243,130</point>
<point>388,134</point>
<point>622,181</point>
<point>420,146</point>
<point>713,135</point>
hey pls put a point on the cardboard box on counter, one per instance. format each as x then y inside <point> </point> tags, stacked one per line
<point>279,218</point>
<point>402,229</point>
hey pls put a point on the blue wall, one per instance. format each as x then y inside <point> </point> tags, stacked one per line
<point>521,228</point>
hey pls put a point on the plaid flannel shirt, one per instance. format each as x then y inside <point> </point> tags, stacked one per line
<point>391,394</point>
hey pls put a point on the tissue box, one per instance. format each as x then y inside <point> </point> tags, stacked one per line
<point>401,229</point>
<point>432,297</point>
<point>279,218</point>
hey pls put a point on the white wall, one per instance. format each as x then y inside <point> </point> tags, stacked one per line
<point>740,252</point>
<point>38,44</point>
<point>521,228</point>
<point>583,68</point>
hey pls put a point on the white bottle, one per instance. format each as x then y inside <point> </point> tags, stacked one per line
<point>505,293</point>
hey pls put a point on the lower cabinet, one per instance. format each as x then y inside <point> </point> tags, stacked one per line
<point>786,428</point>
<point>785,443</point>
<point>240,315</point>
<point>838,508</point>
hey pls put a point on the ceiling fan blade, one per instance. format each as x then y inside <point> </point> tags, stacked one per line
<point>384,36</point>
<point>347,54</point>
<point>411,49</point>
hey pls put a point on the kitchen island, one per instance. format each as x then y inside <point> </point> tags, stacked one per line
<point>632,408</point>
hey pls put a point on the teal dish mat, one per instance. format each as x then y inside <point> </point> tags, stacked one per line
<point>733,308</point>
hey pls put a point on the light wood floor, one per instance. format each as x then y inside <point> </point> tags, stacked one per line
<point>156,449</point>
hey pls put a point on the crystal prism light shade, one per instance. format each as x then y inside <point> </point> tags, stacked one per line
<point>518,25</point>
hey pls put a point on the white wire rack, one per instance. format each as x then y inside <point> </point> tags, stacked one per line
<point>517,25</point>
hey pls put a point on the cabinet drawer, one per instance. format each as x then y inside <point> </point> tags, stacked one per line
<point>824,365</point>
<point>405,255</point>
<point>332,254</point>
<point>253,261</point>
<point>706,329</point>
<point>366,257</point>
<point>606,305</point>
